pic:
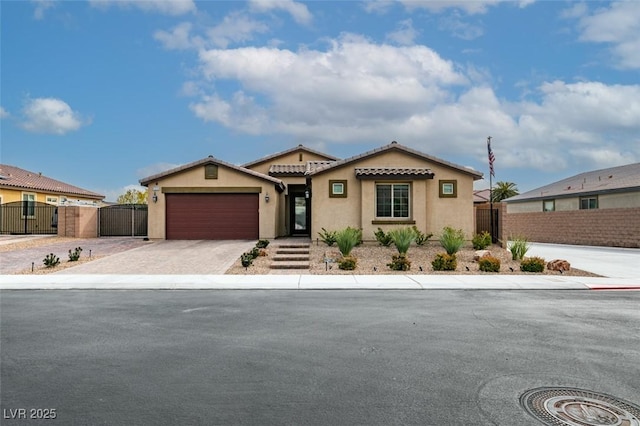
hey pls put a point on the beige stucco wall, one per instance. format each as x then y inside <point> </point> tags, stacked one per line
<point>605,201</point>
<point>270,223</point>
<point>290,158</point>
<point>430,212</point>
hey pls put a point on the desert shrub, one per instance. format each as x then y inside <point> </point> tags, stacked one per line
<point>328,237</point>
<point>347,263</point>
<point>402,239</point>
<point>518,246</point>
<point>254,252</point>
<point>51,260</point>
<point>421,237</point>
<point>347,239</point>
<point>481,241</point>
<point>532,264</point>
<point>262,244</point>
<point>358,233</point>
<point>399,262</point>
<point>445,262</point>
<point>452,239</point>
<point>263,252</point>
<point>383,238</point>
<point>75,254</point>
<point>489,264</point>
<point>246,259</point>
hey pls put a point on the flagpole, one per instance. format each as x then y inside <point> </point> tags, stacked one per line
<point>490,187</point>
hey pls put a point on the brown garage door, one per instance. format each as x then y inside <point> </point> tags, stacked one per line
<point>212,216</point>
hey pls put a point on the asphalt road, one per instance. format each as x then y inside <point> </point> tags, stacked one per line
<point>309,358</point>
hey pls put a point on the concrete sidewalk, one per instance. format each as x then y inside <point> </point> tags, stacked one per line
<point>312,282</point>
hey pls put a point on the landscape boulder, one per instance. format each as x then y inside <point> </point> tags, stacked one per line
<point>480,254</point>
<point>558,265</point>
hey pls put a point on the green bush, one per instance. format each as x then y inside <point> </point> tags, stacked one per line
<point>328,237</point>
<point>518,247</point>
<point>445,262</point>
<point>75,254</point>
<point>399,262</point>
<point>452,239</point>
<point>347,263</point>
<point>481,241</point>
<point>347,239</point>
<point>262,243</point>
<point>246,259</point>
<point>402,239</point>
<point>51,260</point>
<point>358,233</point>
<point>489,264</point>
<point>255,252</point>
<point>421,237</point>
<point>383,238</point>
<point>532,264</point>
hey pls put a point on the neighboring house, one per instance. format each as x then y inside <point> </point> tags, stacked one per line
<point>300,191</point>
<point>28,200</point>
<point>482,196</point>
<point>600,207</point>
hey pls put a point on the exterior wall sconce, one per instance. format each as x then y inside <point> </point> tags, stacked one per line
<point>307,194</point>
<point>155,195</point>
<point>266,197</point>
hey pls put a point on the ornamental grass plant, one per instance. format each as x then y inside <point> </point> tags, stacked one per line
<point>451,239</point>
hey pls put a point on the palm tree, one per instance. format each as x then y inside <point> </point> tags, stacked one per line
<point>503,190</point>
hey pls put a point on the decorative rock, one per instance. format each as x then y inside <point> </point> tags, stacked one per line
<point>480,254</point>
<point>558,265</point>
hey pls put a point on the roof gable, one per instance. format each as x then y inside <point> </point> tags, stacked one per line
<point>17,178</point>
<point>300,148</point>
<point>210,160</point>
<point>395,146</point>
<point>613,179</point>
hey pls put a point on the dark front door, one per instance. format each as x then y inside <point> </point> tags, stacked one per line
<point>299,213</point>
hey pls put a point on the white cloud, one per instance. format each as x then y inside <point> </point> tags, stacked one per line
<point>469,7</point>
<point>4,113</point>
<point>179,38</point>
<point>41,8</point>
<point>617,25</point>
<point>166,7</point>
<point>405,34</point>
<point>50,115</point>
<point>298,11</point>
<point>356,91</point>
<point>235,28</point>
<point>459,28</point>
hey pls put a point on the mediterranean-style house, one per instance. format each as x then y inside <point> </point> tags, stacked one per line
<point>29,200</point>
<point>300,191</point>
<point>600,207</point>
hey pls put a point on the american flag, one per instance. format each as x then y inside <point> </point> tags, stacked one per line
<point>491,157</point>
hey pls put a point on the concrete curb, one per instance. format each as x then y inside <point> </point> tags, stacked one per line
<point>312,282</point>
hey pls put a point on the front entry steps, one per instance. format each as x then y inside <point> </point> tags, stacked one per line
<point>291,256</point>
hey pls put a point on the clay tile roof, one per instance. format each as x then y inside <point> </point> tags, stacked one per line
<point>15,177</point>
<point>393,171</point>
<point>313,165</point>
<point>288,151</point>
<point>287,170</point>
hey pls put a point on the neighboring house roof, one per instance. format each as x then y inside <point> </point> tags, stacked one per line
<point>397,147</point>
<point>481,196</point>
<point>613,179</point>
<point>12,177</point>
<point>289,151</point>
<point>373,172</point>
<point>211,160</point>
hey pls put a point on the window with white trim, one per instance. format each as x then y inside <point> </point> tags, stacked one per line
<point>29,204</point>
<point>393,200</point>
<point>589,203</point>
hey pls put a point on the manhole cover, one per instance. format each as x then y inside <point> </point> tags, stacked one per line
<point>579,407</point>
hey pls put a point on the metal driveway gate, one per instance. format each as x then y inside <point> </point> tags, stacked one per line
<point>28,217</point>
<point>123,220</point>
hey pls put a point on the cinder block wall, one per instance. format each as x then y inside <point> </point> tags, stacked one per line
<point>78,222</point>
<point>601,227</point>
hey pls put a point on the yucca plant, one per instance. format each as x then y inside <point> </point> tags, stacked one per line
<point>402,239</point>
<point>518,246</point>
<point>347,239</point>
<point>452,239</point>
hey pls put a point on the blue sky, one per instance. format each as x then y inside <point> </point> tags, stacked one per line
<point>100,94</point>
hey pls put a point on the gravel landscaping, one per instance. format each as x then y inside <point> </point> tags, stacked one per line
<point>373,259</point>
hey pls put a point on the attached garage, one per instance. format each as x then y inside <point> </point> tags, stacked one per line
<point>212,216</point>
